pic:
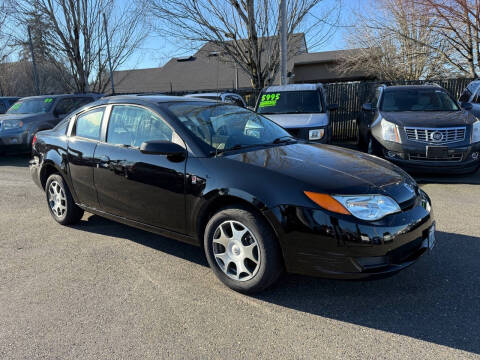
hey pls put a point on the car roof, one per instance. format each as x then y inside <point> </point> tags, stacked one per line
<point>293,87</point>
<point>154,99</point>
<point>56,96</point>
<point>210,94</point>
<point>9,97</point>
<point>413,87</point>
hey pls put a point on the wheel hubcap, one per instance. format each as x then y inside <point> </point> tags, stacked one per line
<point>236,250</point>
<point>57,199</point>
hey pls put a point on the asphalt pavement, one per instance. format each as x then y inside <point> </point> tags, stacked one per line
<point>105,290</point>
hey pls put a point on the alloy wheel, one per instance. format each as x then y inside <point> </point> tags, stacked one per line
<point>57,199</point>
<point>236,250</point>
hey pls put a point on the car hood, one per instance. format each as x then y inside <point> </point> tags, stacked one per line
<point>299,120</point>
<point>436,119</point>
<point>23,117</point>
<point>332,170</point>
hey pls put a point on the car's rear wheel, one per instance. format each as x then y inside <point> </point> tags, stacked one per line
<point>60,201</point>
<point>242,250</point>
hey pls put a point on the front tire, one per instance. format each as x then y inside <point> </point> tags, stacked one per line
<point>242,250</point>
<point>60,201</point>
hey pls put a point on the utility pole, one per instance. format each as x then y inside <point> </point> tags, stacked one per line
<point>283,41</point>
<point>34,64</point>
<point>108,53</point>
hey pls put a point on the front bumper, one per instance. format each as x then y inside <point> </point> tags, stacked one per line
<point>14,140</point>
<point>302,133</point>
<point>411,155</point>
<point>319,243</point>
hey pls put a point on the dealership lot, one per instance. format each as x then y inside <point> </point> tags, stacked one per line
<point>101,289</point>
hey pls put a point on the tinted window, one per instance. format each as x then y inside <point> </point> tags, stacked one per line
<point>32,106</point>
<point>132,125</point>
<point>290,102</point>
<point>465,95</point>
<point>223,126</point>
<point>234,100</point>
<point>417,100</point>
<point>3,108</point>
<point>67,105</point>
<point>89,124</point>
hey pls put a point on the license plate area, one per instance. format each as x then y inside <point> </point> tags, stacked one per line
<point>437,152</point>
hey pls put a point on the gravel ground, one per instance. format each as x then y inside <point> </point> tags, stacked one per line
<point>105,290</point>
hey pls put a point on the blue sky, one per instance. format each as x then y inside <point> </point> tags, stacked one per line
<point>156,50</point>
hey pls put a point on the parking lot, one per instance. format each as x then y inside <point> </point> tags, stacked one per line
<point>101,289</point>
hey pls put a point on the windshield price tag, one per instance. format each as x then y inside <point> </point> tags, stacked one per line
<point>16,106</point>
<point>48,100</point>
<point>269,100</point>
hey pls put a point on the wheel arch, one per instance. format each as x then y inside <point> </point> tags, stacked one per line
<point>228,200</point>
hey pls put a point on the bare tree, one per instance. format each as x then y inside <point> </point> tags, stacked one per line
<point>396,41</point>
<point>75,36</point>
<point>244,30</point>
<point>458,25</point>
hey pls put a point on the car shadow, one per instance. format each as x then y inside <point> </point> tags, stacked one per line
<point>470,179</point>
<point>436,300</point>
<point>103,226</point>
<point>19,160</point>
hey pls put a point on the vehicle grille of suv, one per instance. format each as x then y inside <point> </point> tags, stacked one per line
<point>429,135</point>
<point>423,157</point>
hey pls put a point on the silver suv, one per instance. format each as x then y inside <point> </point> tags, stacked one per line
<point>299,108</point>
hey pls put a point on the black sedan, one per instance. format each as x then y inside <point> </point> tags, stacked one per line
<point>222,177</point>
<point>422,128</point>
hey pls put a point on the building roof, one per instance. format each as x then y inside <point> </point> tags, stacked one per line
<point>208,69</point>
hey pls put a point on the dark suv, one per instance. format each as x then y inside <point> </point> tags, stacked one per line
<point>31,114</point>
<point>6,102</point>
<point>422,127</point>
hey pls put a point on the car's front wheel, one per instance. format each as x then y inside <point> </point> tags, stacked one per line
<point>60,201</point>
<point>242,250</point>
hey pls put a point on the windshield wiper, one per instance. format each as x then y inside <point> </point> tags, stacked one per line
<point>235,147</point>
<point>284,139</point>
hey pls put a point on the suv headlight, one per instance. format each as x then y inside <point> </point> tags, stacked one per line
<point>476,131</point>
<point>364,207</point>
<point>11,124</point>
<point>316,134</point>
<point>390,131</point>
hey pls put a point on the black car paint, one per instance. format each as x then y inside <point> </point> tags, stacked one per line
<point>175,198</point>
<point>370,126</point>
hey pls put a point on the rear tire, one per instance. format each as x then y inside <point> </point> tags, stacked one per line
<point>60,202</point>
<point>242,250</point>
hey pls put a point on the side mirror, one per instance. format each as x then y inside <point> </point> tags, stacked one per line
<point>466,106</point>
<point>332,107</point>
<point>162,147</point>
<point>368,107</point>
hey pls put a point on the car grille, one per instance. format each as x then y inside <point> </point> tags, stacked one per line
<point>423,157</point>
<point>436,135</point>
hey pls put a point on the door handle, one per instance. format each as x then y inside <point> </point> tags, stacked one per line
<point>103,161</point>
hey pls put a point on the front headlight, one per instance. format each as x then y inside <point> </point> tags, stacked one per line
<point>316,134</point>
<point>390,131</point>
<point>476,132</point>
<point>369,207</point>
<point>364,207</point>
<point>11,124</point>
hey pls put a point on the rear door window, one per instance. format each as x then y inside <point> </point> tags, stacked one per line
<point>3,108</point>
<point>89,124</point>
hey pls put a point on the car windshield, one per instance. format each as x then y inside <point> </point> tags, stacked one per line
<point>418,100</point>
<point>31,106</point>
<point>290,102</point>
<point>222,127</point>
